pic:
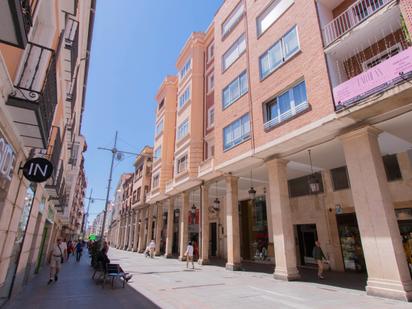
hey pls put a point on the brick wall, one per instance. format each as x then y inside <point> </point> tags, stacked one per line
<point>406,9</point>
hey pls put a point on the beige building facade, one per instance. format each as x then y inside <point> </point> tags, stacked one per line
<point>44,56</point>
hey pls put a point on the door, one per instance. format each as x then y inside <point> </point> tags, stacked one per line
<point>213,239</point>
<point>307,236</point>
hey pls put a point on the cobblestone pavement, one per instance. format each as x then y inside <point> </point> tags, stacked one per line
<point>167,283</point>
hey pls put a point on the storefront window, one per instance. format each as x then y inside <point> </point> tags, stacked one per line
<point>350,242</point>
<point>404,217</point>
<point>254,231</point>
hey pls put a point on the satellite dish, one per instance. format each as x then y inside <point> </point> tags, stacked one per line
<point>119,156</point>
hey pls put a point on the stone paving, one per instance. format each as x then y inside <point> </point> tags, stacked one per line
<point>166,283</point>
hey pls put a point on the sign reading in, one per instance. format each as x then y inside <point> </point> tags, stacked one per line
<point>37,169</point>
<point>374,80</point>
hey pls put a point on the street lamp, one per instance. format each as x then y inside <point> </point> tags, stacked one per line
<point>314,184</point>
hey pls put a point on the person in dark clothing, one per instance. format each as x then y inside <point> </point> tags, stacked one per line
<point>104,259</point>
<point>79,250</point>
<point>319,257</point>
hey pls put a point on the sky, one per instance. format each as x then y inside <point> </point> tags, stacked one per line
<point>135,45</point>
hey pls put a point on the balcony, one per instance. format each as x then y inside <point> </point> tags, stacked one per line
<point>357,13</point>
<point>16,17</point>
<point>375,57</point>
<point>34,99</point>
<point>54,183</point>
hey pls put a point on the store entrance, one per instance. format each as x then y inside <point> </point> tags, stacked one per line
<point>254,231</point>
<point>213,239</point>
<point>350,242</point>
<point>307,235</point>
<point>404,217</point>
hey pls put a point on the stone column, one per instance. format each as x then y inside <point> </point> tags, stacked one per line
<point>169,236</point>
<point>271,248</point>
<point>126,231</point>
<point>204,253</point>
<point>283,235</point>
<point>388,273</point>
<point>184,225</point>
<point>232,224</point>
<point>149,224</point>
<point>119,232</point>
<point>159,227</point>
<point>136,230</point>
<point>141,246</point>
<point>131,231</point>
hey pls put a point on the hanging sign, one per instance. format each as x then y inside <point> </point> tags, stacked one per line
<point>37,169</point>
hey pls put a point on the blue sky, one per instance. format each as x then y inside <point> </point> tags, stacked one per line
<point>135,45</point>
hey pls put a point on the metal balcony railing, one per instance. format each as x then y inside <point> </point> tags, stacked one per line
<point>36,89</point>
<point>349,19</point>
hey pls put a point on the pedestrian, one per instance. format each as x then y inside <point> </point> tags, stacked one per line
<point>152,247</point>
<point>104,259</point>
<point>64,248</point>
<point>55,260</point>
<point>319,257</point>
<point>79,251</point>
<point>189,255</point>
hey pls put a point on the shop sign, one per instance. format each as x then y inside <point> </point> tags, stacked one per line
<point>7,162</point>
<point>375,80</point>
<point>37,169</point>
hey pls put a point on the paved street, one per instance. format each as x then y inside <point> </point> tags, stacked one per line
<point>166,283</point>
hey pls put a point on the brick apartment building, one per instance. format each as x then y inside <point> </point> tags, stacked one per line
<point>289,121</point>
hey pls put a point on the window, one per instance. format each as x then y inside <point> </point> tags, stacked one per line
<point>156,179</point>
<point>211,117</point>
<point>272,14</point>
<point>300,186</point>
<point>288,104</point>
<point>235,90</point>
<point>234,52</point>
<point>210,52</point>
<point>183,129</point>
<point>381,57</point>
<point>340,178</point>
<point>161,104</point>
<point>184,97</point>
<point>210,82</point>
<point>393,172</point>
<point>237,132</point>
<point>187,66</point>
<point>159,128</point>
<point>279,53</point>
<point>138,194</point>
<point>157,153</point>
<point>181,165</point>
<point>233,19</point>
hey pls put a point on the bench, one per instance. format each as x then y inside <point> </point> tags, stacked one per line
<point>113,271</point>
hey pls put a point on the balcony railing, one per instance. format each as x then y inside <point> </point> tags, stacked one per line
<point>36,93</point>
<point>349,19</point>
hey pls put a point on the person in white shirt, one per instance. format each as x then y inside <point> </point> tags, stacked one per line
<point>64,248</point>
<point>189,255</point>
<point>152,247</point>
<point>55,259</point>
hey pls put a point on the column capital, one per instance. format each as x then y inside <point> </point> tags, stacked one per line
<point>276,161</point>
<point>363,131</point>
<point>230,177</point>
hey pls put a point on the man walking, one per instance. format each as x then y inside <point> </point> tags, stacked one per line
<point>319,257</point>
<point>55,259</point>
<point>79,250</point>
<point>189,255</point>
